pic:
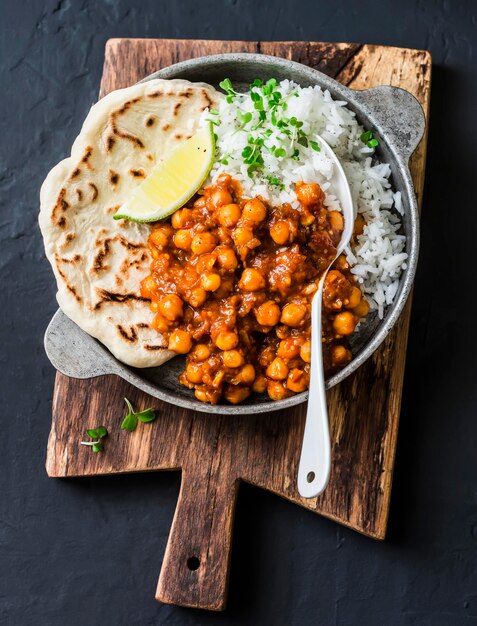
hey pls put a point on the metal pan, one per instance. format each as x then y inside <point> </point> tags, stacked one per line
<point>399,122</point>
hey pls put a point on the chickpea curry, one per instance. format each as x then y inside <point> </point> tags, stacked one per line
<point>231,285</point>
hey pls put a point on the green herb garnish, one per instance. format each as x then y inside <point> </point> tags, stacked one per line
<point>276,182</point>
<point>369,139</point>
<point>226,85</point>
<point>269,104</point>
<point>132,418</point>
<point>95,433</point>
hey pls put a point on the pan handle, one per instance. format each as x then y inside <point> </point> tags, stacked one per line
<point>397,113</point>
<point>73,352</point>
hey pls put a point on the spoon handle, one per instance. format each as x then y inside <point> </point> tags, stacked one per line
<point>315,459</point>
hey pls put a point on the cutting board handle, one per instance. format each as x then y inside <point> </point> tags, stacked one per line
<point>195,569</point>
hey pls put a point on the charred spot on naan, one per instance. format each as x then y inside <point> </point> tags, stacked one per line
<point>60,205</point>
<point>138,173</point>
<point>79,193</point>
<point>98,261</point>
<point>87,156</point>
<point>69,237</point>
<point>58,262</point>
<point>105,297</point>
<point>94,191</point>
<point>131,336</point>
<point>115,131</point>
<point>148,346</point>
<point>110,141</point>
<point>209,102</point>
<point>150,120</point>
<point>113,177</point>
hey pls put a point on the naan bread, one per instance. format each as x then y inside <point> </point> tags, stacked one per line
<point>98,261</point>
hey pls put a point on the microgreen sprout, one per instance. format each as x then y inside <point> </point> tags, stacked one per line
<point>369,139</point>
<point>131,420</point>
<point>226,85</point>
<point>97,434</point>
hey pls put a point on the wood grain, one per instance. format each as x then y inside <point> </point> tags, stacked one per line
<point>215,453</point>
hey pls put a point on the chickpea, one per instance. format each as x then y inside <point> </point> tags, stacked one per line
<point>206,262</point>
<point>203,243</point>
<point>334,276</point>
<point>340,356</point>
<point>197,297</point>
<point>171,306</point>
<point>344,323</point>
<point>354,298</point>
<point>201,352</point>
<point>160,323</point>
<point>259,384</point>
<point>359,225</point>
<point>362,309</point>
<point>200,203</point>
<point>154,306</point>
<point>305,351</point>
<point>341,263</point>
<point>194,372</point>
<point>226,340</point>
<point>183,239</point>
<point>232,358</point>
<point>247,373</point>
<point>336,220</point>
<point>180,341</point>
<point>201,395</point>
<point>277,370</point>
<point>218,378</point>
<point>293,314</point>
<point>268,313</point>
<point>160,235</point>
<point>211,281</point>
<point>254,211</point>
<point>297,380</point>
<point>236,393</point>
<point>280,232</point>
<point>226,258</point>
<point>228,215</point>
<point>251,280</point>
<point>307,219</point>
<point>221,197</point>
<point>179,218</point>
<point>288,348</point>
<point>148,287</point>
<point>308,193</point>
<point>276,390</point>
<point>242,236</point>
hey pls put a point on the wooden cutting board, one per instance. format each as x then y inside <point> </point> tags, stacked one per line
<point>216,453</point>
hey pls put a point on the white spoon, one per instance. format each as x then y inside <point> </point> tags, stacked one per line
<point>315,459</point>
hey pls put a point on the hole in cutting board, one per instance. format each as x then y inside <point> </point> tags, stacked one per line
<point>193,563</point>
<point>310,477</point>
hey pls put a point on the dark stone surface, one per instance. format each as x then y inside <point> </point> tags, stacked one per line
<point>89,551</point>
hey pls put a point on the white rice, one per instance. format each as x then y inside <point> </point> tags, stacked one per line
<point>378,257</point>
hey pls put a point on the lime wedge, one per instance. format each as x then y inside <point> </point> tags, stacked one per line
<point>171,183</point>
